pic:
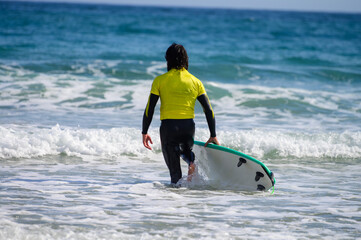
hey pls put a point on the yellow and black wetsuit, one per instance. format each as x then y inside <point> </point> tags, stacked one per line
<point>178,91</point>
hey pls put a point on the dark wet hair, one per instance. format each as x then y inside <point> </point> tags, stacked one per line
<point>176,57</point>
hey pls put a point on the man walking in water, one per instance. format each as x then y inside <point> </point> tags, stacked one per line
<point>178,91</point>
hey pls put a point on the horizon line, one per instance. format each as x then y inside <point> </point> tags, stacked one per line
<point>180,6</point>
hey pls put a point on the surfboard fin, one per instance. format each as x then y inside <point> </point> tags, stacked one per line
<point>241,161</point>
<point>258,176</point>
<point>260,187</point>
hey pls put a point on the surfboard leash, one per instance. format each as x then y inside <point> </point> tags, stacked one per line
<point>273,190</point>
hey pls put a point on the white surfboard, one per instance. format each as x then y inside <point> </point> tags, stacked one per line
<point>226,167</point>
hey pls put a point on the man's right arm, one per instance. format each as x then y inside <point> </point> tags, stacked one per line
<point>208,111</point>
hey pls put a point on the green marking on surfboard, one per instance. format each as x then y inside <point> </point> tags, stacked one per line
<point>225,149</point>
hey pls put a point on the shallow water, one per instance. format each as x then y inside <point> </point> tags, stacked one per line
<point>74,81</point>
<point>128,198</point>
<point>89,191</point>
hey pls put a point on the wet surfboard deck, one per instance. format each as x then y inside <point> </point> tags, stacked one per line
<point>230,168</point>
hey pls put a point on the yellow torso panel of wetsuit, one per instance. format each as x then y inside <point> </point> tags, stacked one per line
<point>178,91</point>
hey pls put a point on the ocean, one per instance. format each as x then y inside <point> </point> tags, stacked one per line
<point>74,81</point>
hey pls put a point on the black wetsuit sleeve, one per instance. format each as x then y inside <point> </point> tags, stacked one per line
<point>204,101</point>
<point>148,112</point>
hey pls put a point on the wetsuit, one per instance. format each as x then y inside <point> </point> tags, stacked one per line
<point>178,91</point>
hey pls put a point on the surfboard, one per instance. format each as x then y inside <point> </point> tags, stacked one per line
<point>230,168</point>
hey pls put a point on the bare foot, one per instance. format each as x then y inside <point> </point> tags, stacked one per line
<point>191,169</point>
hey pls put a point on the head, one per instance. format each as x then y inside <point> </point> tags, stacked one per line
<point>176,57</point>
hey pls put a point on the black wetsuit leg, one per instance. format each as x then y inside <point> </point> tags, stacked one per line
<point>176,136</point>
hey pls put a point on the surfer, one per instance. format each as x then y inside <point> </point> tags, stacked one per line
<point>178,91</point>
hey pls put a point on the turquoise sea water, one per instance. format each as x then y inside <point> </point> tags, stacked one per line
<point>74,81</point>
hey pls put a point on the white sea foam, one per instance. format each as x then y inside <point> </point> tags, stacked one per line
<point>249,106</point>
<point>321,99</point>
<point>20,143</point>
<point>26,142</point>
<point>156,68</point>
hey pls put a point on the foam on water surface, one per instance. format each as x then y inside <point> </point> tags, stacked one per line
<point>125,198</point>
<point>57,95</point>
<point>27,142</point>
